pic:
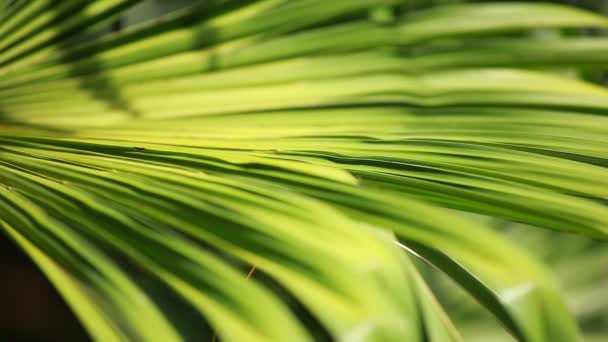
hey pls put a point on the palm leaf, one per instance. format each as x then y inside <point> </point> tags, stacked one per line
<point>146,171</point>
<point>564,254</point>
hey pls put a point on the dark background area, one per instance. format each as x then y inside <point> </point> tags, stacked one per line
<point>31,309</point>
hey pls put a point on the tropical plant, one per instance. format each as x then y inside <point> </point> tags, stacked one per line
<point>325,144</point>
<point>579,264</point>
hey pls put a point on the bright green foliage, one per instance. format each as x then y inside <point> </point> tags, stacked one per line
<point>579,264</point>
<point>146,171</point>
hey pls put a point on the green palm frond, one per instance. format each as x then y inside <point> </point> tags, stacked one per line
<point>578,263</point>
<point>325,143</point>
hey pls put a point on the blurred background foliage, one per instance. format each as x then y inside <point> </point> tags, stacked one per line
<point>581,267</point>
